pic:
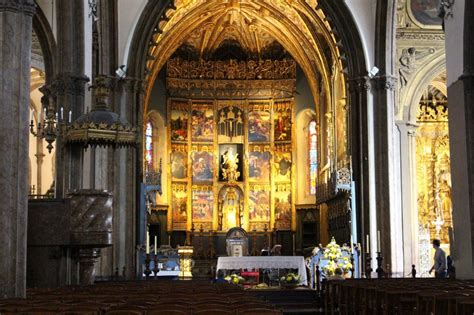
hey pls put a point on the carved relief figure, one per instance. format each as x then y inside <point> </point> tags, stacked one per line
<point>230,125</point>
<point>230,165</point>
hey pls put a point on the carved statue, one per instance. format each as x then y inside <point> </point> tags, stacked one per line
<point>230,164</point>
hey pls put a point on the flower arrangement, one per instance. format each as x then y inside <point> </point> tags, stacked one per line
<point>291,278</point>
<point>333,253</point>
<point>234,278</point>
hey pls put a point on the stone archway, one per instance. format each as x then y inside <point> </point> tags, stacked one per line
<point>158,34</point>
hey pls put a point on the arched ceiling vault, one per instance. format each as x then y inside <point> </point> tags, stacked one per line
<point>295,24</point>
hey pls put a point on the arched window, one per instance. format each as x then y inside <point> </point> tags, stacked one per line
<point>312,156</point>
<point>149,146</point>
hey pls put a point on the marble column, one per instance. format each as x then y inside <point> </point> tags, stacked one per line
<point>15,57</point>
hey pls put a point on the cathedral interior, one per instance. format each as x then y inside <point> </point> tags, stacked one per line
<point>194,131</point>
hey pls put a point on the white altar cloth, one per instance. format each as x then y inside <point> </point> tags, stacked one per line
<point>265,262</point>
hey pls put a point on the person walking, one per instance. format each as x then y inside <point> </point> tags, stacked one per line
<point>439,265</point>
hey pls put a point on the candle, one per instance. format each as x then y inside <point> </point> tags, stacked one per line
<point>367,245</point>
<point>56,116</point>
<point>62,113</point>
<point>378,241</point>
<point>155,244</point>
<point>44,114</point>
<point>147,242</point>
<point>70,115</point>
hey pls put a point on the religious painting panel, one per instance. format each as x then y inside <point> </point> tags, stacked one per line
<point>259,162</point>
<point>282,206</point>
<point>202,164</point>
<point>179,121</point>
<point>426,11</point>
<point>231,162</point>
<point>202,203</point>
<point>179,162</point>
<point>282,163</point>
<point>202,122</point>
<point>282,116</point>
<point>259,203</point>
<point>230,124</point>
<point>259,124</point>
<point>179,203</point>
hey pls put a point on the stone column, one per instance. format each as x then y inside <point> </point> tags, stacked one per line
<point>409,193</point>
<point>389,217</point>
<point>461,134</point>
<point>15,55</point>
<point>359,128</point>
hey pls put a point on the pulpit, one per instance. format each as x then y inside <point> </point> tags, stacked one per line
<point>237,242</point>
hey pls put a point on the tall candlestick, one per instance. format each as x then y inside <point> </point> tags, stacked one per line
<point>62,113</point>
<point>155,244</point>
<point>44,114</point>
<point>378,241</point>
<point>367,245</point>
<point>147,242</point>
<point>70,116</point>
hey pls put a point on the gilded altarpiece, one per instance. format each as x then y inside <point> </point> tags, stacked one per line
<point>231,164</point>
<point>433,169</point>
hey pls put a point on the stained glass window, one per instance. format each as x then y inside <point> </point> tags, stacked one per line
<point>149,146</point>
<point>312,157</point>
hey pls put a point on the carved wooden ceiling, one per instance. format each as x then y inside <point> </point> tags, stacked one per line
<point>299,26</point>
<point>231,25</point>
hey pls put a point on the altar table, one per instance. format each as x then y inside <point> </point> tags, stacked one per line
<point>264,262</point>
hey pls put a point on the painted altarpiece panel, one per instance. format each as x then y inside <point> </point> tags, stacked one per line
<point>179,162</point>
<point>282,163</point>
<point>259,123</point>
<point>259,162</point>
<point>202,203</point>
<point>179,206</point>
<point>202,164</point>
<point>282,118</point>
<point>283,206</point>
<point>202,122</point>
<point>259,203</point>
<point>179,117</point>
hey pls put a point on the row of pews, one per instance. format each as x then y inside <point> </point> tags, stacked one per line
<point>399,296</point>
<point>144,297</point>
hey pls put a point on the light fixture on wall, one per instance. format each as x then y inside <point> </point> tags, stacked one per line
<point>50,125</point>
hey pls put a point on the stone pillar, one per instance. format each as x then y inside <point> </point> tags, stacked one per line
<point>15,56</point>
<point>461,134</point>
<point>409,194</point>
<point>68,89</point>
<point>359,126</point>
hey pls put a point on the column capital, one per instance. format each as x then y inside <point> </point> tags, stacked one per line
<point>359,84</point>
<point>384,82</point>
<point>27,7</point>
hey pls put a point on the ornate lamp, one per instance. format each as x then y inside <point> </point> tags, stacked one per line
<point>100,126</point>
<point>53,125</point>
